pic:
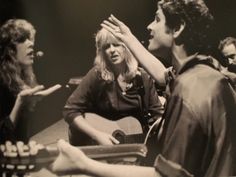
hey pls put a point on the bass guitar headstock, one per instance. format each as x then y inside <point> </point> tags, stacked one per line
<point>22,158</point>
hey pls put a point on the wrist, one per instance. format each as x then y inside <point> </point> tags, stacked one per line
<point>19,99</point>
<point>130,40</point>
<point>96,168</point>
<point>13,116</point>
<point>88,166</point>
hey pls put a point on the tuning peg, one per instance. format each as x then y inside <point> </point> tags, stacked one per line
<point>2,147</point>
<point>8,146</point>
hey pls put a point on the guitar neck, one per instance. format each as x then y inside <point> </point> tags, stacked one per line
<point>102,152</point>
<point>129,152</point>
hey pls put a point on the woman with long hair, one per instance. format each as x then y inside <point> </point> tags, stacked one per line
<point>19,90</point>
<point>114,88</point>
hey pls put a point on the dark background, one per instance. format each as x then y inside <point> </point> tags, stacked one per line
<point>65,33</point>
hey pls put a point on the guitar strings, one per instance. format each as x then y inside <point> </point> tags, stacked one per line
<point>54,142</point>
<point>150,129</point>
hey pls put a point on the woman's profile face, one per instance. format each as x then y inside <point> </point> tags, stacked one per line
<point>25,52</point>
<point>114,53</point>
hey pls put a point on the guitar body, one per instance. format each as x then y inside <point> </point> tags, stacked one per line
<point>126,130</point>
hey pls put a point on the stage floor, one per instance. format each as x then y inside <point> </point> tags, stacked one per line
<point>50,136</point>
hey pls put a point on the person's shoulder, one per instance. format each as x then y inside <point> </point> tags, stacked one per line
<point>200,74</point>
<point>199,83</point>
<point>94,72</point>
<point>91,77</point>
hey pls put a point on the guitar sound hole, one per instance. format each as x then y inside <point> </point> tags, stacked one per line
<point>119,135</point>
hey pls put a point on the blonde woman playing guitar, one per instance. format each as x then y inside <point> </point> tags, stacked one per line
<point>114,89</point>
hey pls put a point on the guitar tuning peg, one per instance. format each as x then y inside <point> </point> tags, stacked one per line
<point>25,147</point>
<point>8,145</point>
<point>33,151</point>
<point>21,167</point>
<point>19,144</point>
<point>2,147</point>
<point>24,154</point>
<point>10,167</point>
<point>13,148</point>
<point>10,154</point>
<point>31,167</point>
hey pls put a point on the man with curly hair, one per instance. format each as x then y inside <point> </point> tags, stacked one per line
<point>199,120</point>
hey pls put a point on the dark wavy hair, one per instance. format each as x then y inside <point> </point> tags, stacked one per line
<point>198,23</point>
<point>12,74</point>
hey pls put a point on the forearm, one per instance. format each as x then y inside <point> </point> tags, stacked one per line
<point>81,124</point>
<point>99,169</point>
<point>15,111</point>
<point>151,64</point>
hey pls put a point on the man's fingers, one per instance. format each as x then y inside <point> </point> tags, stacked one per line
<point>114,27</point>
<point>49,90</point>
<point>115,20</point>
<point>108,28</point>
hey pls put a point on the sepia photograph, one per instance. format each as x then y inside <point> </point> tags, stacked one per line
<point>108,88</point>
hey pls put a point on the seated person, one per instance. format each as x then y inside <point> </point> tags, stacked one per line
<point>228,50</point>
<point>19,90</point>
<point>114,88</point>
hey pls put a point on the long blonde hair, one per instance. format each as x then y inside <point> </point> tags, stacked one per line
<point>102,38</point>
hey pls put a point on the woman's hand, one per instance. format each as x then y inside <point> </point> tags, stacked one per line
<point>105,139</point>
<point>33,95</point>
<point>30,97</point>
<point>48,91</point>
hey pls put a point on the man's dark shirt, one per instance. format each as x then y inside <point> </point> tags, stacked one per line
<point>200,121</point>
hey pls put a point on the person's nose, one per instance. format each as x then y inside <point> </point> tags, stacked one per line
<point>149,27</point>
<point>30,43</point>
<point>112,48</point>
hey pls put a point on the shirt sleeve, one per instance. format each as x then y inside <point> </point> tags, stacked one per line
<point>169,169</point>
<point>7,130</point>
<point>154,108</point>
<point>81,99</point>
<point>183,138</point>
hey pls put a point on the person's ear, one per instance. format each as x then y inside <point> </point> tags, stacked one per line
<point>11,53</point>
<point>179,29</point>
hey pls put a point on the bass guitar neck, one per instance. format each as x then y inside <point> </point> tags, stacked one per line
<point>46,155</point>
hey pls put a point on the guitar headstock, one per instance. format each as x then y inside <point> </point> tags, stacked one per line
<point>21,158</point>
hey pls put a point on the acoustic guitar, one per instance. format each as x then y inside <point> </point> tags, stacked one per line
<point>126,130</point>
<point>13,162</point>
